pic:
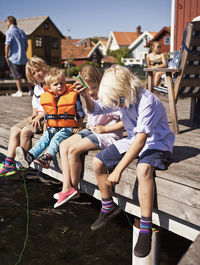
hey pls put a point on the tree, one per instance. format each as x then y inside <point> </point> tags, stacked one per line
<point>118,54</point>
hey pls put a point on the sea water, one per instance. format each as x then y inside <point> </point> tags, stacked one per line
<point>62,236</point>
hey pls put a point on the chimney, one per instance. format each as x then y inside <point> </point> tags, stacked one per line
<point>138,30</point>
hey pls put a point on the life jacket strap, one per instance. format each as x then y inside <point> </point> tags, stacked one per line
<point>64,116</point>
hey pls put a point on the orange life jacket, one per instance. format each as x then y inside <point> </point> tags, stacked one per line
<point>61,112</point>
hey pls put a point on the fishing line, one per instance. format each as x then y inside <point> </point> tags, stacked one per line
<point>27,220</point>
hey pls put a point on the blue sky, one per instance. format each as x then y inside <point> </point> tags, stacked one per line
<point>89,18</point>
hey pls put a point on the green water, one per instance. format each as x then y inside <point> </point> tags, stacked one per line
<point>63,236</point>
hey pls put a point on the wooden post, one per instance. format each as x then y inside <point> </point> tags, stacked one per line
<point>153,257</point>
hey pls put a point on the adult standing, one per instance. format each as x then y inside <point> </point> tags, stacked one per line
<point>15,52</point>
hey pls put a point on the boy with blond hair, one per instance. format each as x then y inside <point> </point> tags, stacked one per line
<point>63,115</point>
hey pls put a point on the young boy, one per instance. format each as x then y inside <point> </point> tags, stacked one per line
<point>64,117</point>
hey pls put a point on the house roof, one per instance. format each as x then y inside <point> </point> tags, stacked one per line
<point>125,38</point>
<point>104,42</point>
<point>157,35</point>
<point>28,25</point>
<point>143,35</point>
<point>109,59</point>
<point>71,50</point>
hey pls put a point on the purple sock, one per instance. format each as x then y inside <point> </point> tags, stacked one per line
<point>107,205</point>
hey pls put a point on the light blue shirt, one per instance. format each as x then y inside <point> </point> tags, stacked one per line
<point>17,41</point>
<point>148,116</point>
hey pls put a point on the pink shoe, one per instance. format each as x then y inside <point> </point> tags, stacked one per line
<point>64,197</point>
<point>56,195</point>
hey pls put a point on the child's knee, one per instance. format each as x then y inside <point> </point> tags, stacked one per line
<point>97,164</point>
<point>15,131</point>
<point>73,151</point>
<point>144,171</point>
<point>26,133</point>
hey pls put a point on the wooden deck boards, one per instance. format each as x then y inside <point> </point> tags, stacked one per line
<point>178,188</point>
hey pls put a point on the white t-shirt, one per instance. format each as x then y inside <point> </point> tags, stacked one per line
<point>38,90</point>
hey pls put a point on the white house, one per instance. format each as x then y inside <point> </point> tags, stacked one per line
<point>137,49</point>
<point>134,41</point>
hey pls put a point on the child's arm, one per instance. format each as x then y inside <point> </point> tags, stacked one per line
<point>130,155</point>
<point>83,91</point>
<point>34,113</point>
<point>79,126</point>
<point>109,128</point>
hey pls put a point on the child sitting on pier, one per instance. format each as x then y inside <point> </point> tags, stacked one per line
<point>102,131</point>
<point>63,115</point>
<point>22,132</point>
<point>149,139</point>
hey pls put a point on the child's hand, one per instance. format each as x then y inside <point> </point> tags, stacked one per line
<point>99,129</point>
<point>79,88</point>
<point>75,130</point>
<point>113,179</point>
<point>35,122</point>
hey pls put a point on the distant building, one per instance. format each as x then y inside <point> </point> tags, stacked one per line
<point>186,11</point>
<point>44,38</point>
<point>163,37</point>
<point>134,41</point>
<point>80,51</point>
<point>102,44</point>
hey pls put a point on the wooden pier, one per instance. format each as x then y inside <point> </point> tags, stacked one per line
<point>177,202</point>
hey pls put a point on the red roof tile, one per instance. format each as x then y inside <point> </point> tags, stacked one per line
<point>69,50</point>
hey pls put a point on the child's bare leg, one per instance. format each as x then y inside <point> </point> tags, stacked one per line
<point>157,78</point>
<point>64,149</point>
<point>146,197</point>
<point>101,174</point>
<point>74,153</point>
<point>25,138</point>
<point>14,141</point>
<point>146,188</point>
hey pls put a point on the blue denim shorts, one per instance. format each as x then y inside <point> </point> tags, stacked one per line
<point>157,158</point>
<point>90,135</point>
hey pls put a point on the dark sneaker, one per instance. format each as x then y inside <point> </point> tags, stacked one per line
<point>44,160</point>
<point>143,245</point>
<point>105,218</point>
<point>24,157</point>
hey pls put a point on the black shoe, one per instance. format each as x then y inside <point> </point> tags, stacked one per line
<point>105,218</point>
<point>24,157</point>
<point>44,160</point>
<point>143,245</point>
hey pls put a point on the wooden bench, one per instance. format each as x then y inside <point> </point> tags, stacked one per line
<point>187,82</point>
<point>177,201</point>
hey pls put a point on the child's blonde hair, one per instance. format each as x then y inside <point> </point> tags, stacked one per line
<point>117,82</point>
<point>54,74</point>
<point>92,73</point>
<point>35,63</point>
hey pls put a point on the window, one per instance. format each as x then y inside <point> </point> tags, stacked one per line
<point>46,26</point>
<point>38,41</point>
<point>167,41</point>
<point>55,43</point>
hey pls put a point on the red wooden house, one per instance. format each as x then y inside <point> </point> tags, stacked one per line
<point>186,11</point>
